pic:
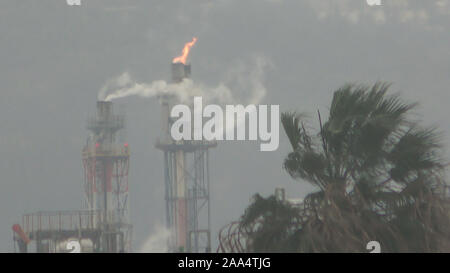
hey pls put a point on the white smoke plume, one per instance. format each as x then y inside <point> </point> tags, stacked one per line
<point>248,87</point>
<point>157,241</point>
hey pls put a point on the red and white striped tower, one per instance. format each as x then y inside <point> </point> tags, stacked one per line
<point>106,164</point>
<point>186,175</point>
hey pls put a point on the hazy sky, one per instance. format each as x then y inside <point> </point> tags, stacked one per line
<point>54,59</point>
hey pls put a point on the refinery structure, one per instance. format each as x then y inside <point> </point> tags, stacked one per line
<point>186,179</point>
<point>103,224</point>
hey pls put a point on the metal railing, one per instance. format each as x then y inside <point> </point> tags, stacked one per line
<point>112,149</point>
<point>61,220</point>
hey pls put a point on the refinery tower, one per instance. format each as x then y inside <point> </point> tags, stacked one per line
<point>102,225</point>
<point>186,179</point>
<point>106,163</point>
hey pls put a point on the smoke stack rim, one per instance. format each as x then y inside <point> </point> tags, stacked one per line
<point>104,109</point>
<point>180,71</point>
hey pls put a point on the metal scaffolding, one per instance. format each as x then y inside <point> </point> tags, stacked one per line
<point>106,164</point>
<point>103,224</point>
<point>187,212</point>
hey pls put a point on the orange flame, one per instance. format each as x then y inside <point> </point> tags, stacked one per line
<point>185,53</point>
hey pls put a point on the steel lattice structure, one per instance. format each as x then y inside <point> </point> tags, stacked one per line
<point>106,164</point>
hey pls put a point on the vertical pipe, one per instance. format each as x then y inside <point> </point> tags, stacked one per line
<point>181,200</point>
<point>167,188</point>
<point>208,203</point>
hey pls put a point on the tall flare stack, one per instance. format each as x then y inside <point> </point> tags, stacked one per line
<point>186,175</point>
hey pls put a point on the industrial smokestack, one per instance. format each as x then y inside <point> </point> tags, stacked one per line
<point>104,110</point>
<point>106,164</point>
<point>183,210</point>
<point>180,71</point>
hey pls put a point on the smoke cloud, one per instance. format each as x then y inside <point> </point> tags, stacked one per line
<point>157,241</point>
<point>248,87</point>
<point>243,85</point>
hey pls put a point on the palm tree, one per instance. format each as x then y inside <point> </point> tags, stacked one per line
<point>379,177</point>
